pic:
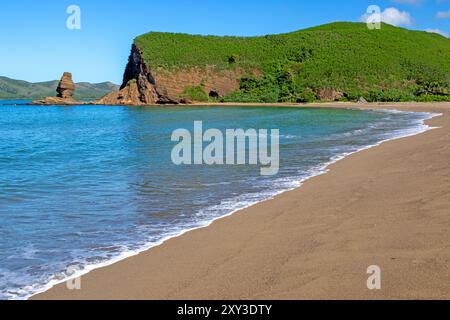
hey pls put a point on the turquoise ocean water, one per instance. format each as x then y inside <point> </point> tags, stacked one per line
<point>85,186</point>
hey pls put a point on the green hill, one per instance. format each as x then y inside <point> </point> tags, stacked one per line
<point>390,64</point>
<point>18,89</point>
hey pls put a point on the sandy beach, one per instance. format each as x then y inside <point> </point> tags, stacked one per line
<point>387,206</point>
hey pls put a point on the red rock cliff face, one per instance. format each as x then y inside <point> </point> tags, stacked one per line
<point>145,86</point>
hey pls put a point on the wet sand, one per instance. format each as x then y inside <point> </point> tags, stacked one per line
<point>387,206</point>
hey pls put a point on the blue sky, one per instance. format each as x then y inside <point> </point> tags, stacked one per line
<point>36,45</point>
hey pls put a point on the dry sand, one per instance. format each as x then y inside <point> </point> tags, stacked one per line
<point>387,206</point>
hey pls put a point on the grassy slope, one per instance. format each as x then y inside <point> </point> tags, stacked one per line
<point>388,64</point>
<point>17,89</point>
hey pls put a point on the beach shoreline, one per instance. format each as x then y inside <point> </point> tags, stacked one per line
<point>173,280</point>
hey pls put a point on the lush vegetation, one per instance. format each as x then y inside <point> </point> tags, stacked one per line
<point>391,64</point>
<point>195,94</point>
<point>17,89</point>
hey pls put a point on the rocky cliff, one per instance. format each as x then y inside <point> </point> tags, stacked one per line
<point>335,62</point>
<point>147,85</point>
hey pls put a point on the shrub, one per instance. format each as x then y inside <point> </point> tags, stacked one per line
<point>195,94</point>
<point>307,95</point>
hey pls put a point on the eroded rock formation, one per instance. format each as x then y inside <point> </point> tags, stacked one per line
<point>129,95</point>
<point>145,86</point>
<point>65,91</point>
<point>66,87</point>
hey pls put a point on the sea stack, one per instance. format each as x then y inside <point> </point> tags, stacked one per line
<point>65,91</point>
<point>66,87</point>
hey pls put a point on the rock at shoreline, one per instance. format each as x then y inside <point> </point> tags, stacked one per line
<point>330,95</point>
<point>55,101</point>
<point>362,100</point>
<point>128,95</point>
<point>143,85</point>
<point>65,91</point>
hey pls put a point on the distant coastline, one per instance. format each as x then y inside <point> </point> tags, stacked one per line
<point>355,105</point>
<point>12,89</point>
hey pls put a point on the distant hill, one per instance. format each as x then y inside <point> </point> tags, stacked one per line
<point>18,89</point>
<point>337,61</point>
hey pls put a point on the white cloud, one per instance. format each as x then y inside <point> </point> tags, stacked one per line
<point>396,17</point>
<point>443,15</point>
<point>438,31</point>
<point>392,16</point>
